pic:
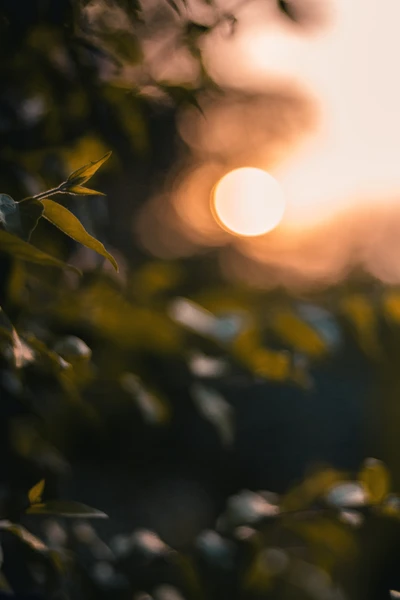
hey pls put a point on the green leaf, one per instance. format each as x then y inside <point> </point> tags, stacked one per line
<point>11,244</point>
<point>9,214</point>
<point>79,190</point>
<point>83,174</point>
<point>66,508</point>
<point>376,479</point>
<point>62,218</point>
<point>35,493</point>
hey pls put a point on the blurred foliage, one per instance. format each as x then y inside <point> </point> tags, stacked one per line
<point>107,363</point>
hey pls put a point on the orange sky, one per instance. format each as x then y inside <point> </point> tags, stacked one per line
<point>340,170</point>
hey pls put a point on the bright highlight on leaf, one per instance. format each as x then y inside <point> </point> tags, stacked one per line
<point>36,492</point>
<point>83,174</point>
<point>62,218</point>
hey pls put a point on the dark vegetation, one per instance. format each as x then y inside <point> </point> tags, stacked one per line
<point>231,464</point>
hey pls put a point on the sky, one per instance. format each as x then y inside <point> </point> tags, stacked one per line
<point>338,168</point>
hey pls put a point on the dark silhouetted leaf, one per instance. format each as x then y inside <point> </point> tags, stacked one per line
<point>62,218</point>
<point>83,174</point>
<point>66,508</point>
<point>11,244</point>
<point>5,587</point>
<point>19,218</point>
<point>30,212</point>
<point>288,9</point>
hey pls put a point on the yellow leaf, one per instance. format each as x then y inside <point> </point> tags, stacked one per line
<point>298,334</point>
<point>62,218</point>
<point>375,477</point>
<point>35,493</point>
<point>79,190</point>
<point>83,174</point>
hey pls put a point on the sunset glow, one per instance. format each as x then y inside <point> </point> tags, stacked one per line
<point>248,202</point>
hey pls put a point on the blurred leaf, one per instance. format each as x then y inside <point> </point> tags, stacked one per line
<point>21,352</point>
<point>349,494</point>
<point>287,9</point>
<point>49,359</point>
<point>83,174</point>
<point>9,214</point>
<point>11,244</point>
<point>72,348</point>
<point>66,508</point>
<point>62,218</point>
<point>24,535</point>
<point>216,409</point>
<point>154,409</point>
<point>248,507</point>
<point>298,334</point>
<point>6,327</point>
<point>79,190</point>
<point>362,316</point>
<point>311,489</point>
<point>258,577</point>
<point>376,479</point>
<point>5,586</point>
<point>35,493</point>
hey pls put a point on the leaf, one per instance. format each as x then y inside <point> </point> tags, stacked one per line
<point>19,218</point>
<point>21,352</point>
<point>287,9</point>
<point>6,327</point>
<point>376,479</point>
<point>62,218</point>
<point>349,494</point>
<point>79,190</point>
<point>5,587</point>
<point>83,174</point>
<point>11,244</point>
<point>30,212</point>
<point>9,214</point>
<point>24,535</point>
<point>35,493</point>
<point>217,410</point>
<point>66,508</point>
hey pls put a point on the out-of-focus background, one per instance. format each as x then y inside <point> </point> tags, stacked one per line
<point>230,397</point>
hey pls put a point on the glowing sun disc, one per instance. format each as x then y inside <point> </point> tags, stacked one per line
<point>248,202</point>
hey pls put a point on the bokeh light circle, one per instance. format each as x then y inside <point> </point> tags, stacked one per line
<point>248,202</point>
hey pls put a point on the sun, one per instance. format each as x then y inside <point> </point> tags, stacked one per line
<point>248,202</point>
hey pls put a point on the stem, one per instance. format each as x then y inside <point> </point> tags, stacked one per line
<point>43,195</point>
